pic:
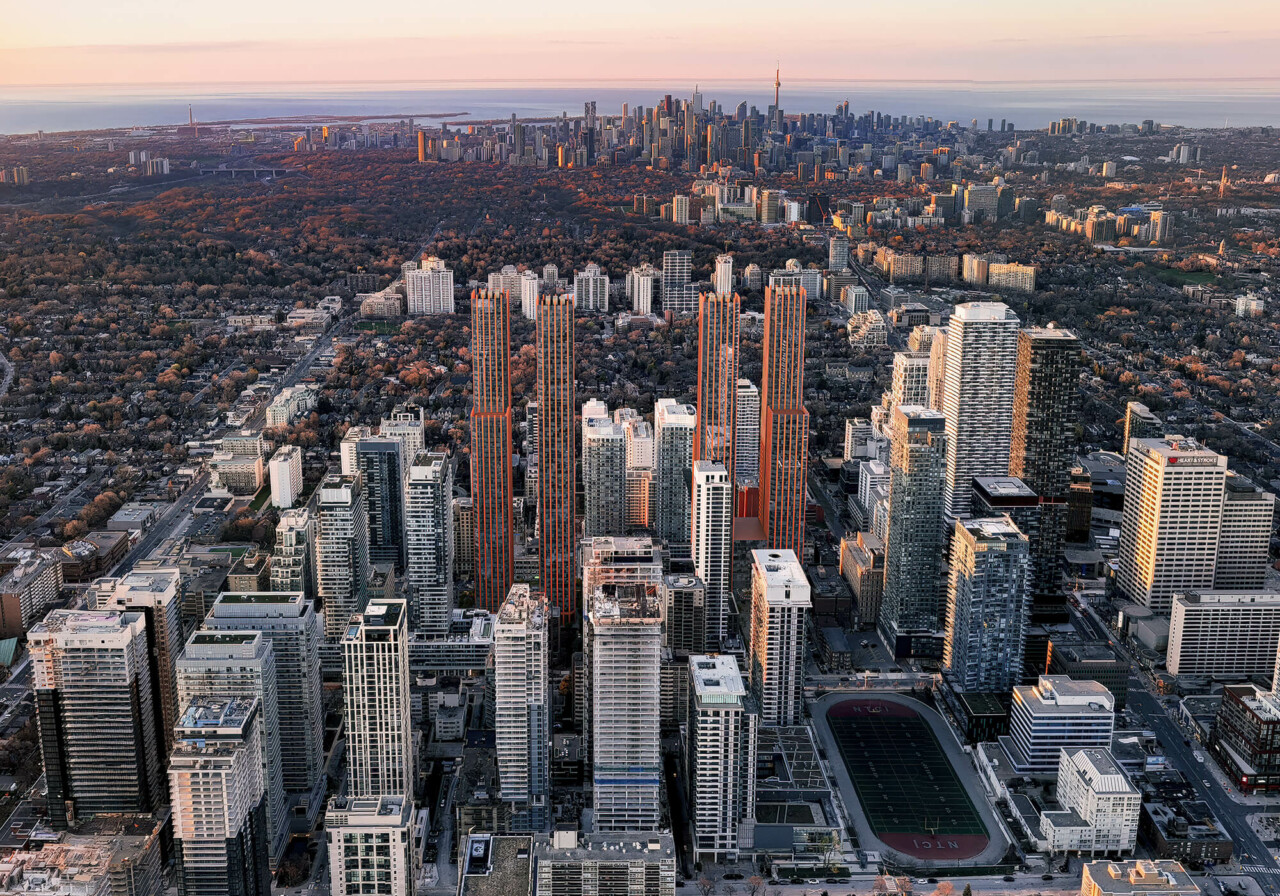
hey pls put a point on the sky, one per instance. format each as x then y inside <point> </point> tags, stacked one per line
<point>280,41</point>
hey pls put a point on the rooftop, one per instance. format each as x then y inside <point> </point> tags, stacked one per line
<point>716,678</point>
<point>496,865</point>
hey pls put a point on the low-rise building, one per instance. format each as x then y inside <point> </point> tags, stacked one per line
<point>1140,877</point>
<point>1186,830</point>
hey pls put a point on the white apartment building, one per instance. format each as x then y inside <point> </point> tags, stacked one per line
<point>910,384</point>
<point>375,651</point>
<point>643,284</point>
<point>216,793</point>
<point>780,603</point>
<point>674,425</point>
<point>623,642</point>
<point>429,540</point>
<point>720,759</point>
<point>1172,520</point>
<point>234,665</point>
<point>1100,806</point>
<point>722,279</point>
<point>285,470</point>
<point>713,544</point>
<point>1224,633</point>
<point>604,476</point>
<point>746,450</point>
<point>591,289</point>
<point>522,707</point>
<point>429,289</point>
<point>342,551</point>
<point>977,397</point>
<point>1057,714</point>
<point>375,845</point>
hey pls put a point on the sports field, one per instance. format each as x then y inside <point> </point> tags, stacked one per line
<point>908,790</point>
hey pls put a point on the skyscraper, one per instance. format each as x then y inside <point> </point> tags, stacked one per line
<point>913,548</point>
<point>1172,520</point>
<point>522,707</point>
<point>746,450</point>
<point>1140,423</point>
<point>591,289</point>
<point>677,291</point>
<point>342,551</point>
<point>219,798</point>
<point>290,623</point>
<point>624,648</point>
<point>722,281</point>
<point>684,607</point>
<point>717,378</point>
<point>604,477</point>
<point>1248,519</point>
<point>977,397</point>
<point>98,734</point>
<point>156,594</point>
<point>780,602</point>
<point>375,687</point>
<point>713,544</point>
<point>784,421</point>
<point>720,756</point>
<point>1046,406</point>
<point>429,289</point>
<point>674,428</point>
<point>987,606</point>
<point>381,462</point>
<point>428,524</point>
<point>491,445</point>
<point>557,453</point>
<point>234,665</point>
<point>292,561</point>
<point>910,379</point>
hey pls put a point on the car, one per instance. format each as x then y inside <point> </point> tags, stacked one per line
<point>733,875</point>
<point>1008,878</point>
<point>1046,877</point>
<point>1207,783</point>
<point>831,880</point>
<point>933,880</point>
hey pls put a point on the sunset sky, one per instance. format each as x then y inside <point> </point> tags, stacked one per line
<point>150,42</point>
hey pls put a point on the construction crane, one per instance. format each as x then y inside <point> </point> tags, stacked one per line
<point>1222,184</point>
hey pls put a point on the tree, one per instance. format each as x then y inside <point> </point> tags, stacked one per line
<point>755,884</point>
<point>706,885</point>
<point>968,890</point>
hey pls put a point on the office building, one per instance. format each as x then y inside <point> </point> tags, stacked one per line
<point>429,540</point>
<point>591,289</point>
<point>557,451</point>
<point>1140,423</point>
<point>523,708</point>
<point>677,291</point>
<point>236,665</point>
<point>285,470</point>
<point>156,595</point>
<point>780,603</point>
<point>717,386</point>
<point>289,622</point>
<point>746,448</point>
<point>1056,714</point>
<point>1138,877</point>
<point>375,845</point>
<point>712,529</point>
<point>911,602</point>
<point>784,421</point>
<point>293,558</point>
<point>604,477</point>
<point>987,606</point>
<point>720,759</point>
<point>1172,520</point>
<point>623,641</point>
<point>375,688</point>
<point>381,464</point>
<point>722,279</point>
<point>1244,545</point>
<point>429,288</point>
<point>98,735</point>
<point>1224,634</point>
<point>342,551</point>
<point>674,427</point>
<point>491,491</point>
<point>219,798</point>
<point>1046,409</point>
<point>977,397</point>
<point>1100,806</point>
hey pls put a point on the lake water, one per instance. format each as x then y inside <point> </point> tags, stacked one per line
<point>1026,104</point>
